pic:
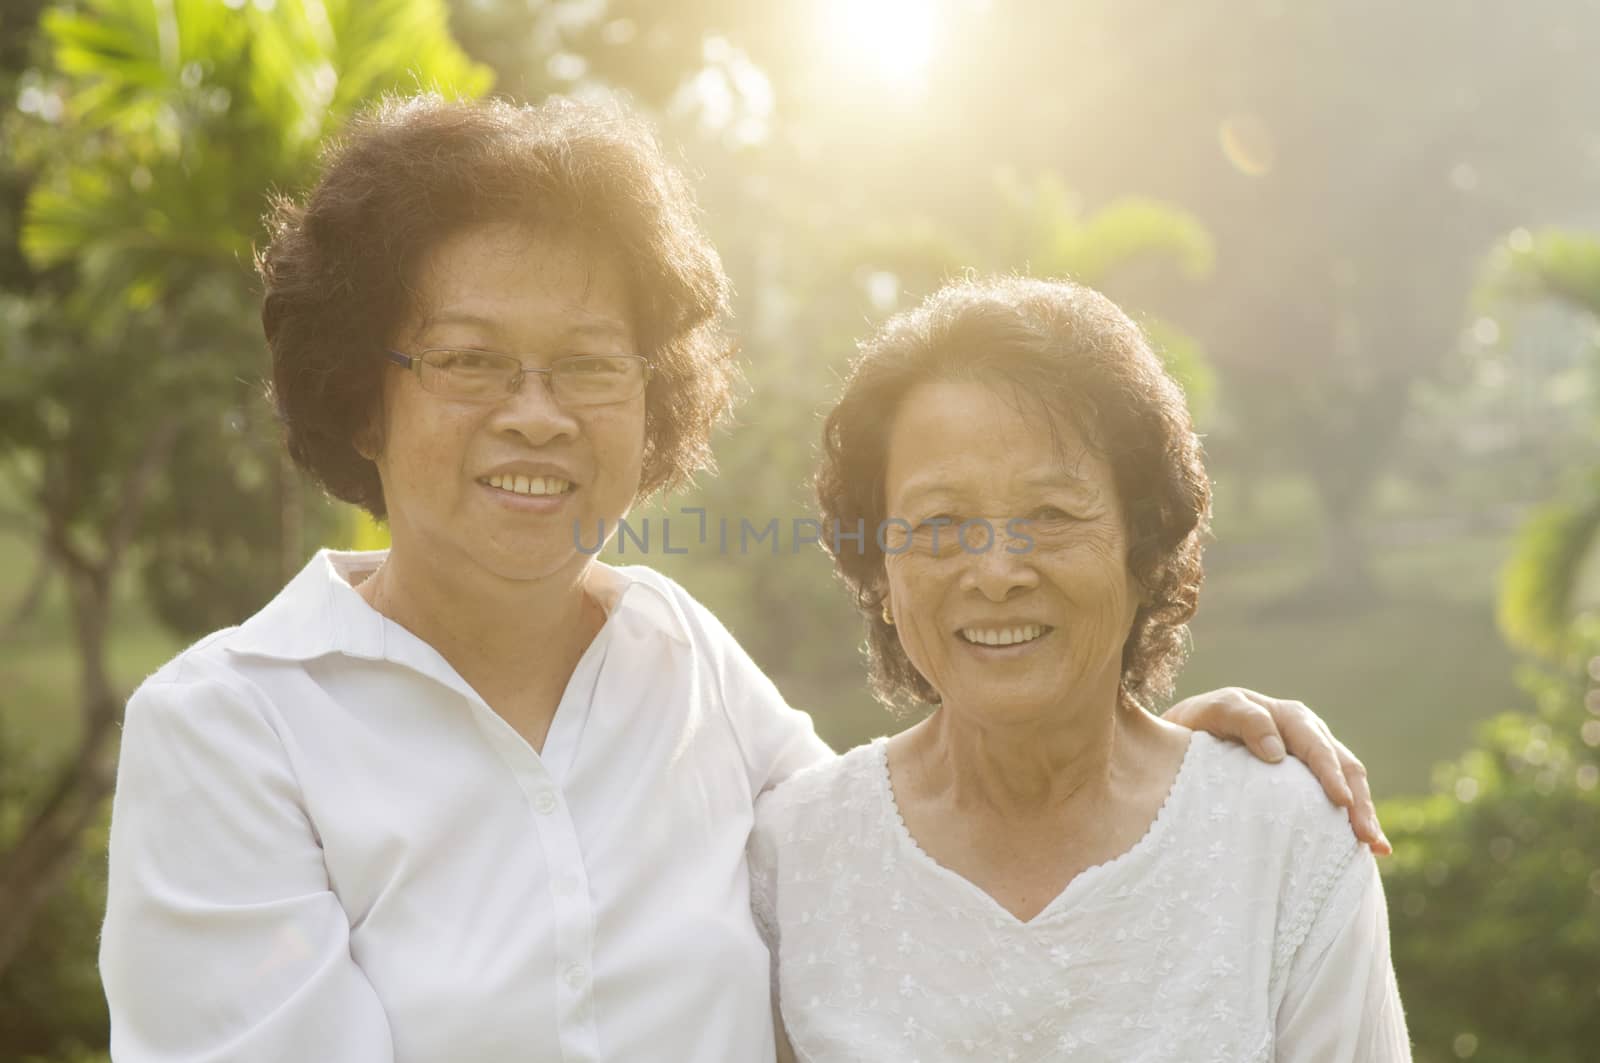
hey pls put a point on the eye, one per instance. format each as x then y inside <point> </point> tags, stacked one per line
<point>938,535</point>
<point>1051,513</point>
<point>591,365</point>
<point>469,361</point>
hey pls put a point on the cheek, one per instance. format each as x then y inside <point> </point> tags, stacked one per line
<point>619,442</point>
<point>1096,574</point>
<point>424,447</point>
<point>917,588</point>
<point>439,441</point>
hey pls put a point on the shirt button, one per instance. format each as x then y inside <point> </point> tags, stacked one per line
<point>575,976</point>
<point>545,803</point>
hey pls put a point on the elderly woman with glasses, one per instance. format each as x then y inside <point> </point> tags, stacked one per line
<point>478,796</point>
<point>1041,869</point>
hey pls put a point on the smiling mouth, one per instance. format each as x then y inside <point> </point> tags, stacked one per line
<point>530,485</point>
<point>1004,636</point>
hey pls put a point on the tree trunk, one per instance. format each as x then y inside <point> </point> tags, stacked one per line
<point>1343,494</point>
<point>28,604</point>
<point>40,857</point>
<point>43,852</point>
<point>1347,563</point>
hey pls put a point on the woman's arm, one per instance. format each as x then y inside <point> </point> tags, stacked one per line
<point>1341,1003</point>
<point>1269,726</point>
<point>775,739</point>
<point>223,938</point>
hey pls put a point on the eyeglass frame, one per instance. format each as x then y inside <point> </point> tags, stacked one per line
<point>414,362</point>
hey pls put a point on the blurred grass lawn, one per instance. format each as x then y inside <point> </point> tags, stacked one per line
<point>38,659</point>
<point>1402,678</point>
<point>1403,673</point>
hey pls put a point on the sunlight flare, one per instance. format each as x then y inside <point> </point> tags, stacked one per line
<point>893,41</point>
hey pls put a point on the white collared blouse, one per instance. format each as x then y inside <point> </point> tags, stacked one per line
<point>325,846</point>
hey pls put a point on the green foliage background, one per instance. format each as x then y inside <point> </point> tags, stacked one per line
<point>1359,233</point>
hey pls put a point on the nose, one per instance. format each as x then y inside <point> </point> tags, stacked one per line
<point>996,569</point>
<point>533,413</point>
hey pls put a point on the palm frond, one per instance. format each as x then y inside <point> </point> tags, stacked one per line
<point>1048,234</point>
<point>189,111</point>
<point>1552,264</point>
<point>1127,229</point>
<point>1540,584</point>
<point>1185,359</point>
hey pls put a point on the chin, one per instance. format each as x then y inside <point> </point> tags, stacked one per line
<point>1003,706</point>
<point>1031,698</point>
<point>534,563</point>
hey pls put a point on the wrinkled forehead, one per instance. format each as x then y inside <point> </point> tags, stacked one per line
<point>974,485</point>
<point>979,436</point>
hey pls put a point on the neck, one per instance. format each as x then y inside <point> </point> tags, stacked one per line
<point>1075,756</point>
<point>485,625</point>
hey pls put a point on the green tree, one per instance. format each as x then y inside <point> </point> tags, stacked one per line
<point>1542,608</point>
<point>130,385</point>
<point>1494,889</point>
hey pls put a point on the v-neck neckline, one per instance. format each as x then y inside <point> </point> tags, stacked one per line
<point>1083,882</point>
<point>557,753</point>
<point>561,740</point>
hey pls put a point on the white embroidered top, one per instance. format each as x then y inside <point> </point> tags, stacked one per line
<point>1246,925</point>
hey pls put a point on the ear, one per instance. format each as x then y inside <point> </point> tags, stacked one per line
<point>880,590</point>
<point>368,437</point>
<point>366,444</point>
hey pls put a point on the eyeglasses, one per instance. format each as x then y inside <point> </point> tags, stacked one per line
<point>486,376</point>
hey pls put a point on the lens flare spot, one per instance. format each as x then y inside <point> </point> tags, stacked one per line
<point>1247,145</point>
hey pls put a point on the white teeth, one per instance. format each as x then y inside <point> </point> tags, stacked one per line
<point>530,485</point>
<point>1002,636</point>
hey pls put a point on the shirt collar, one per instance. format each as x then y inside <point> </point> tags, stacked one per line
<point>319,612</point>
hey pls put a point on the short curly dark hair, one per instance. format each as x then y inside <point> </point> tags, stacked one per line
<point>411,171</point>
<point>1075,352</point>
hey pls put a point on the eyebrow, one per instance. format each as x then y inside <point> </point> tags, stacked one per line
<point>1062,480</point>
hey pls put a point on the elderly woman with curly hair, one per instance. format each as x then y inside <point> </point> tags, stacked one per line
<point>1041,869</point>
<point>479,796</point>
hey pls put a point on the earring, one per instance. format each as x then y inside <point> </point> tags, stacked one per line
<point>888,617</point>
